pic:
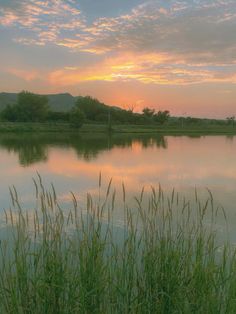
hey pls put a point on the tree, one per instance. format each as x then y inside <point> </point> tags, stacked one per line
<point>10,113</point>
<point>77,117</point>
<point>91,107</point>
<point>162,116</point>
<point>231,120</point>
<point>148,112</point>
<point>32,107</point>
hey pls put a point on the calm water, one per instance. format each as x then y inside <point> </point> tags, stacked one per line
<point>73,163</point>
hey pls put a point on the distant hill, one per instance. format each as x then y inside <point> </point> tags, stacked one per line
<point>7,99</point>
<point>57,102</point>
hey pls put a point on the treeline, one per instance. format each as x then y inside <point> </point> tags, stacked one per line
<point>34,108</point>
<point>30,107</point>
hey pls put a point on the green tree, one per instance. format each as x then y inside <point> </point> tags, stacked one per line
<point>77,117</point>
<point>91,107</point>
<point>32,107</point>
<point>162,116</point>
<point>148,112</point>
<point>10,113</point>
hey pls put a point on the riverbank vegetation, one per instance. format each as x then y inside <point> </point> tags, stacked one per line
<point>33,113</point>
<point>162,255</point>
<point>115,128</point>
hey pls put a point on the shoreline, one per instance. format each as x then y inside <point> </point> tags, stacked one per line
<point>13,127</point>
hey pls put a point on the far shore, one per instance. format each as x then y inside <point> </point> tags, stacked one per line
<point>116,128</point>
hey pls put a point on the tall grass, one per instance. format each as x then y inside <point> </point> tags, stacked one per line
<point>162,258</point>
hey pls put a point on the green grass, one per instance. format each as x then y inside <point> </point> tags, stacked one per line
<point>60,127</point>
<point>162,258</point>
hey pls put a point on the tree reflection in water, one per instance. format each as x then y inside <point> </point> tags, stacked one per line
<point>33,148</point>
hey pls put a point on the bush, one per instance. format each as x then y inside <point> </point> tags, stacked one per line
<point>77,117</point>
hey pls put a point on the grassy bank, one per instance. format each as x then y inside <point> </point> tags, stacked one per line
<point>60,127</point>
<point>162,257</point>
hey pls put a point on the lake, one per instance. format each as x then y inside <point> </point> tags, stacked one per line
<point>73,162</point>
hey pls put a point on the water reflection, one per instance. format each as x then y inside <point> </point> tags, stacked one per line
<point>72,162</point>
<point>29,149</point>
<point>34,148</point>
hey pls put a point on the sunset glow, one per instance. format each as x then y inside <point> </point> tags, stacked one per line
<point>175,55</point>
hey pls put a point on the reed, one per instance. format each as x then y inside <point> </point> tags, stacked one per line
<point>162,258</point>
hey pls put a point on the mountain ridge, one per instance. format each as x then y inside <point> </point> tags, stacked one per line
<point>61,102</point>
<point>57,102</point>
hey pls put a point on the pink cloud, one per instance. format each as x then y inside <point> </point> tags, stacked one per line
<point>27,75</point>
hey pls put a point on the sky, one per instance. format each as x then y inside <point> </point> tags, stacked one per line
<point>165,54</point>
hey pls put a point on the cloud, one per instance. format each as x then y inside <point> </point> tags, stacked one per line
<point>42,21</point>
<point>161,42</point>
<point>146,68</point>
<point>198,32</point>
<point>27,75</point>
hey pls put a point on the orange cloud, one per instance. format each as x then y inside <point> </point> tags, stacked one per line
<point>27,75</point>
<point>8,19</point>
<point>146,68</point>
<point>123,67</point>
